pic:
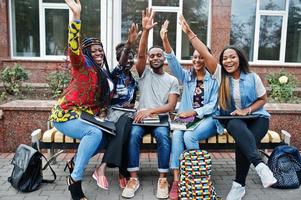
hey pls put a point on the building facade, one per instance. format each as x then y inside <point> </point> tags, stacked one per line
<point>34,32</point>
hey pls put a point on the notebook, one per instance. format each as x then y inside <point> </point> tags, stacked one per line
<point>163,121</point>
<point>185,126</point>
<point>235,116</point>
<point>106,126</point>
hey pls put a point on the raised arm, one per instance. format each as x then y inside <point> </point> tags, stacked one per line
<point>164,37</point>
<point>147,24</point>
<point>76,57</point>
<point>198,45</point>
<point>132,37</point>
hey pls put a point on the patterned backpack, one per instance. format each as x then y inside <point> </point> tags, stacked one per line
<point>195,176</point>
<point>285,163</point>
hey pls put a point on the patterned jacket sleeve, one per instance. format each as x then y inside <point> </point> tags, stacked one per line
<point>76,57</point>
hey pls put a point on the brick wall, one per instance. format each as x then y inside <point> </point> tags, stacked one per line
<point>20,118</point>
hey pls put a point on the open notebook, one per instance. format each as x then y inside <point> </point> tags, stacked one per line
<point>106,126</point>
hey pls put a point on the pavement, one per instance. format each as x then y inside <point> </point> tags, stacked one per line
<point>223,174</point>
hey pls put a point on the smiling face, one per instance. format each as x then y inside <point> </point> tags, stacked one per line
<point>197,61</point>
<point>97,53</point>
<point>130,61</point>
<point>156,58</point>
<point>230,61</point>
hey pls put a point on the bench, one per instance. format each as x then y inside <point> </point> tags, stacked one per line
<point>52,140</point>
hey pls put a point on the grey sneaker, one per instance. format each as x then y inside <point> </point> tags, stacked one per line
<point>130,188</point>
<point>266,175</point>
<point>237,192</point>
<point>162,188</point>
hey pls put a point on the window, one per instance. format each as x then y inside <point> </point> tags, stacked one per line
<point>39,27</point>
<point>196,12</point>
<point>275,34</point>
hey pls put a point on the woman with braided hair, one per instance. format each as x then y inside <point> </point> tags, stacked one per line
<point>90,90</point>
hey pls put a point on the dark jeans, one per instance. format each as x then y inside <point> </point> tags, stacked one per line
<point>247,134</point>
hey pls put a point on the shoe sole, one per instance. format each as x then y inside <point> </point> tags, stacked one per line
<point>269,185</point>
<point>95,178</point>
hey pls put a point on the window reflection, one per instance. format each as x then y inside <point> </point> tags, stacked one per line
<point>56,22</point>
<point>25,22</point>
<point>196,14</point>
<point>160,17</point>
<point>269,38</point>
<point>131,12</point>
<point>165,2</point>
<point>272,5</point>
<point>293,38</point>
<point>243,25</point>
<point>90,18</point>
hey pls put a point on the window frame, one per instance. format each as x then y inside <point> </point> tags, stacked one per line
<point>174,9</point>
<point>284,15</point>
<point>42,8</point>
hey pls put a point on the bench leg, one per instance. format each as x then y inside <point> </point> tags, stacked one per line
<point>50,153</point>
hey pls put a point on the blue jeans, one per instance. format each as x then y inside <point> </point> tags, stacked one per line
<point>163,147</point>
<point>190,139</point>
<point>91,140</point>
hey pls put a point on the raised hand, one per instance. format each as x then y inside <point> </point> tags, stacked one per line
<point>164,30</point>
<point>184,25</point>
<point>75,8</point>
<point>133,34</point>
<point>148,19</point>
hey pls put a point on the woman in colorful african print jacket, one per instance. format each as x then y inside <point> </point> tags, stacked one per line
<point>90,90</point>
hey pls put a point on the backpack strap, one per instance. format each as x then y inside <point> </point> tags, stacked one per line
<point>48,164</point>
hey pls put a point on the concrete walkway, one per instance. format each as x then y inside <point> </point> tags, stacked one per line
<point>223,173</point>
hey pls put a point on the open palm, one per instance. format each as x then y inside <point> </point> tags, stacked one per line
<point>148,19</point>
<point>75,7</point>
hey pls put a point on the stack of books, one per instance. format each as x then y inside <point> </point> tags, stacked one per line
<point>185,124</point>
<point>153,119</point>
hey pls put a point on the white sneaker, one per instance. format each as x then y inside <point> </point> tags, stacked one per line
<point>130,188</point>
<point>266,175</point>
<point>162,188</point>
<point>237,192</point>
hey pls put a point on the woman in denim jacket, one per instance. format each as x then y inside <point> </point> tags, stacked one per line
<point>241,93</point>
<point>199,99</point>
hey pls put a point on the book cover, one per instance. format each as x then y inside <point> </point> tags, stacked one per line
<point>185,126</point>
<point>107,126</point>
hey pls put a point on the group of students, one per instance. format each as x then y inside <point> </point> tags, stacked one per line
<point>209,88</point>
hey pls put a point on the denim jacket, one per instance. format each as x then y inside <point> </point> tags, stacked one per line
<point>189,84</point>
<point>248,95</point>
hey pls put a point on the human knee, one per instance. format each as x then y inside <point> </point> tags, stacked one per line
<point>233,126</point>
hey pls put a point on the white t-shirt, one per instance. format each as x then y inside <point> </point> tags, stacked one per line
<point>260,89</point>
<point>155,88</point>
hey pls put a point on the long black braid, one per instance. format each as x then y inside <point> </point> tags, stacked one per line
<point>103,94</point>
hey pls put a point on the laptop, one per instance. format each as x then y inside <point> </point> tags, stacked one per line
<point>106,126</point>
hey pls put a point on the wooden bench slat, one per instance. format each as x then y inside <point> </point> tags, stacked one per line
<point>69,139</point>
<point>274,137</point>
<point>265,139</point>
<point>48,135</point>
<point>147,139</point>
<point>59,137</point>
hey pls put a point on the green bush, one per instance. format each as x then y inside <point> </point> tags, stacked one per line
<point>58,81</point>
<point>12,78</point>
<point>282,86</point>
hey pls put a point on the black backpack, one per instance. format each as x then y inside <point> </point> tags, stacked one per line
<point>285,163</point>
<point>27,174</point>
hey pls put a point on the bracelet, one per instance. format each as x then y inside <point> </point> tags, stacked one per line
<point>250,110</point>
<point>192,37</point>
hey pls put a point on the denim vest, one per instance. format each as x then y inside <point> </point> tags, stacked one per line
<point>248,95</point>
<point>189,84</point>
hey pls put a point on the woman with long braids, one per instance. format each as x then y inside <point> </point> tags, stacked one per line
<point>90,90</point>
